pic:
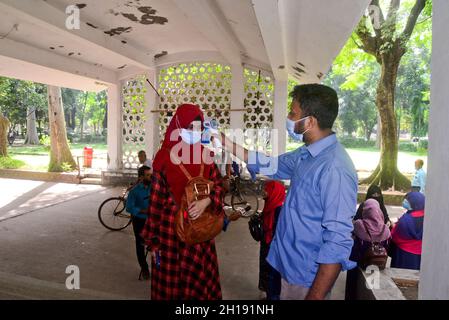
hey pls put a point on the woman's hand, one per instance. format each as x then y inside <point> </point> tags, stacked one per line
<point>196,208</point>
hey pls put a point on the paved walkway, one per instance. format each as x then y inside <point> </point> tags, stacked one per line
<point>45,227</point>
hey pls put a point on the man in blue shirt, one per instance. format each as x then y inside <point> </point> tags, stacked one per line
<point>419,179</point>
<point>137,205</point>
<point>313,242</point>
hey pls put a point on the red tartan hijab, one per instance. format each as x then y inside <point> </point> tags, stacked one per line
<point>185,114</point>
<point>275,198</point>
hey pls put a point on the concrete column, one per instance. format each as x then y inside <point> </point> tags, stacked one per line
<point>280,116</point>
<point>115,157</point>
<point>237,97</point>
<point>151,123</point>
<point>434,280</point>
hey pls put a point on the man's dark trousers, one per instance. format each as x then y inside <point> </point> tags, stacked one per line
<point>138,224</point>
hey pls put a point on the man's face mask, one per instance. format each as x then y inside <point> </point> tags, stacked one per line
<point>291,125</point>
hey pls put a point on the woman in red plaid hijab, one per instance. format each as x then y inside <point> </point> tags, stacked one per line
<point>180,271</point>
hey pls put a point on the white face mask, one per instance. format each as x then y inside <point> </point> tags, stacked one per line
<point>190,137</point>
<point>291,129</point>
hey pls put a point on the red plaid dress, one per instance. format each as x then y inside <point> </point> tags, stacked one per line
<point>185,272</point>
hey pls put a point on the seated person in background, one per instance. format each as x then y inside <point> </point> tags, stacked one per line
<point>269,278</point>
<point>374,192</point>
<point>143,159</point>
<point>406,247</point>
<point>137,206</point>
<point>419,179</point>
<point>368,229</point>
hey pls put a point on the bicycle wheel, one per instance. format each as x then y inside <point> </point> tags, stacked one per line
<point>245,200</point>
<point>112,214</point>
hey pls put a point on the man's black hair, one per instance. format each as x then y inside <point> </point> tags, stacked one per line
<point>319,101</point>
<point>141,152</point>
<point>141,171</point>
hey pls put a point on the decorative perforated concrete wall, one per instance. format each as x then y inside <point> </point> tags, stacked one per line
<point>133,123</point>
<point>259,101</point>
<point>205,84</point>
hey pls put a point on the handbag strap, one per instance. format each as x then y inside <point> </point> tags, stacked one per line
<point>183,169</point>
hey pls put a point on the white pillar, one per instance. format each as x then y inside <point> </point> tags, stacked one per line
<point>151,122</point>
<point>280,116</point>
<point>115,161</point>
<point>434,280</point>
<point>237,97</point>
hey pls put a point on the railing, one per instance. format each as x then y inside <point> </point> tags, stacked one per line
<point>99,164</point>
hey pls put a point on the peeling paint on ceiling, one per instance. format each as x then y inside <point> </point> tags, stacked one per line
<point>118,31</point>
<point>148,15</point>
<point>159,55</point>
<point>91,25</point>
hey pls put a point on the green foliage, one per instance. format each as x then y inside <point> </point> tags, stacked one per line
<point>10,163</point>
<point>420,147</point>
<point>355,74</point>
<point>45,141</point>
<point>66,167</point>
<point>356,143</point>
<point>17,97</point>
<point>408,146</point>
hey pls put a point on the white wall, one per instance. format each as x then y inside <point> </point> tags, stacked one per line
<point>434,282</point>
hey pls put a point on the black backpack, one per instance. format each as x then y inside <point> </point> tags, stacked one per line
<point>256,227</point>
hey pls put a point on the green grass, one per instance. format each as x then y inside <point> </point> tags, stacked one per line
<point>42,150</point>
<point>10,163</point>
<point>36,158</point>
<point>96,146</point>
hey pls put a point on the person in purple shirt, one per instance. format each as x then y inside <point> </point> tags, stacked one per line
<point>313,242</point>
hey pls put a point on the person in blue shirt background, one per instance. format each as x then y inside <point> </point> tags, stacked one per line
<point>312,242</point>
<point>137,206</point>
<point>419,179</point>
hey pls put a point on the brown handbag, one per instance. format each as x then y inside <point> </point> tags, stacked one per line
<point>376,254</point>
<point>209,224</point>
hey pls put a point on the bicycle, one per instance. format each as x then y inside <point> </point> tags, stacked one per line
<point>112,212</point>
<point>243,198</point>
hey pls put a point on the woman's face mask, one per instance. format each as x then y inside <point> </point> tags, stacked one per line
<point>190,136</point>
<point>193,134</point>
<point>406,205</point>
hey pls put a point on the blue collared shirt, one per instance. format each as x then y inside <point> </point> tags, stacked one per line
<point>315,223</point>
<point>138,200</point>
<point>419,180</point>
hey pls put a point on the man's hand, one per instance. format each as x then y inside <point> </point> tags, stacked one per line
<point>232,147</point>
<point>196,208</point>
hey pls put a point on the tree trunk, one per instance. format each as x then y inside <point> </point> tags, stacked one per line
<point>82,117</point>
<point>105,119</point>
<point>73,117</point>
<point>378,134</point>
<point>387,174</point>
<point>59,151</point>
<point>4,126</point>
<point>399,122</point>
<point>31,137</point>
<point>368,133</point>
<point>67,119</point>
